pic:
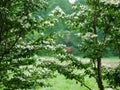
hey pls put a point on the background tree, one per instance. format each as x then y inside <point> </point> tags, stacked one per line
<point>61,28</point>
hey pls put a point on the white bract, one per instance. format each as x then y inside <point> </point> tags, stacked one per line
<point>72,1</point>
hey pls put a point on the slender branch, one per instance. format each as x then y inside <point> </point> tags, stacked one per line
<point>85,85</point>
<point>11,47</point>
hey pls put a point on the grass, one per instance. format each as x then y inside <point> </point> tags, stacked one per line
<point>111,58</point>
<point>104,58</point>
<point>109,62</point>
<point>61,83</point>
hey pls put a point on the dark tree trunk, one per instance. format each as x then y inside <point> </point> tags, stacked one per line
<point>98,68</point>
<point>119,50</point>
<point>99,75</point>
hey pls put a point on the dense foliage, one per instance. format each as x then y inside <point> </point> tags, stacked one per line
<point>27,33</point>
<point>20,42</point>
<point>113,77</point>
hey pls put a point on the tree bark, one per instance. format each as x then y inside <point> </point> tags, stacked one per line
<point>99,75</point>
<point>98,68</point>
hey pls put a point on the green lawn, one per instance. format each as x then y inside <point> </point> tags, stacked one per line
<point>61,83</point>
<point>111,58</point>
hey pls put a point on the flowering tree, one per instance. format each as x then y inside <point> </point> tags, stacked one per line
<point>98,28</point>
<point>19,43</point>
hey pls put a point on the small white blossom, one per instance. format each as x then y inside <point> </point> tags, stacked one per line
<point>78,34</point>
<point>27,73</point>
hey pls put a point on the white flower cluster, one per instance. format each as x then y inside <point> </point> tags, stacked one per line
<point>48,23</point>
<point>61,46</point>
<point>43,23</point>
<point>116,2</point>
<point>61,56</point>
<point>71,19</point>
<point>30,47</point>
<point>79,34</point>
<point>74,7</point>
<point>78,18</point>
<point>28,70</point>
<point>58,12</point>
<point>50,47</point>
<point>89,35</point>
<point>84,7</point>
<point>27,73</point>
<point>58,9</point>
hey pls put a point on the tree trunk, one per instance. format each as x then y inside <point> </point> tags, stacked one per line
<point>99,75</point>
